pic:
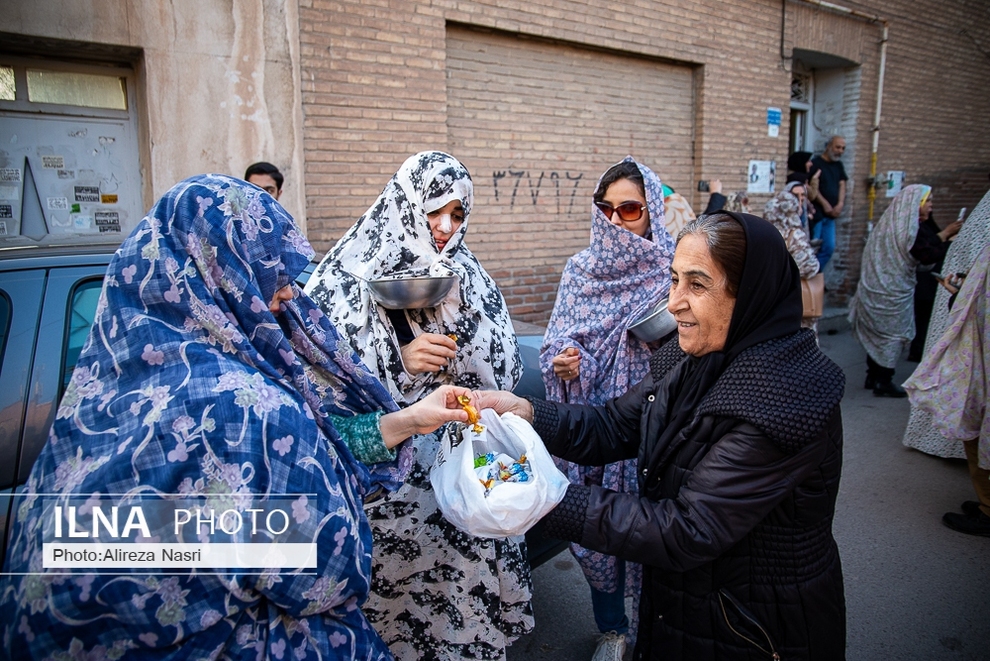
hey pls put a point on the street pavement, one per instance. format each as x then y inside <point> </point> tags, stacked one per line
<point>915,590</point>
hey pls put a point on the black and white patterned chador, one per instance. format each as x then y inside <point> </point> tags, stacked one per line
<point>436,592</point>
<point>393,237</point>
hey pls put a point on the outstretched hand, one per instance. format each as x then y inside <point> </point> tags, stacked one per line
<point>425,416</point>
<point>952,283</point>
<point>502,401</point>
<point>950,230</point>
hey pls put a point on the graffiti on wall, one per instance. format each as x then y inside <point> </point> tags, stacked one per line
<point>553,188</point>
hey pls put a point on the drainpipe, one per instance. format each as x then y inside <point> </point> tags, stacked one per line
<point>871,194</point>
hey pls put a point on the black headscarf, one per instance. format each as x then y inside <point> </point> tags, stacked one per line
<point>798,161</point>
<point>768,305</point>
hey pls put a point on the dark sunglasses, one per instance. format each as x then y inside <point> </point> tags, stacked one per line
<point>628,211</point>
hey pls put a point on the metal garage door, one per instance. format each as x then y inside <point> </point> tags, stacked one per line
<point>536,123</point>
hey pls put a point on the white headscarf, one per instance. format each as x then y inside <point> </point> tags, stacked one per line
<point>394,237</point>
<point>882,311</point>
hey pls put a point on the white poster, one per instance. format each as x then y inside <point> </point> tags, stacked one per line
<point>895,181</point>
<point>761,176</point>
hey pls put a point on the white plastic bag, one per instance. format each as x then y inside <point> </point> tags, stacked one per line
<point>509,508</point>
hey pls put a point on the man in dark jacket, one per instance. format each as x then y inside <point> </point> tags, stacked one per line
<point>739,439</point>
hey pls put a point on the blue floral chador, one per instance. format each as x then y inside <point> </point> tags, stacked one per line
<point>188,384</point>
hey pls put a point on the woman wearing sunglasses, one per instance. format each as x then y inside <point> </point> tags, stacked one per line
<point>589,357</point>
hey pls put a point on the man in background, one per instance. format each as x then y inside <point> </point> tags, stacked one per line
<point>265,176</point>
<point>832,198</point>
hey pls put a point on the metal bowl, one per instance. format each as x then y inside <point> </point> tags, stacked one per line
<point>411,293</point>
<point>655,325</point>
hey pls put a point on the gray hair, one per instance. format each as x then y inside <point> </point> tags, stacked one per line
<point>726,241</point>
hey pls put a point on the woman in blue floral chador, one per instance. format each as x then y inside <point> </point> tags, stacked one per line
<point>209,374</point>
<point>589,355</point>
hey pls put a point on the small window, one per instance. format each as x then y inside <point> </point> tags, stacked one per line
<point>4,323</point>
<point>82,311</point>
<point>8,88</point>
<point>76,89</point>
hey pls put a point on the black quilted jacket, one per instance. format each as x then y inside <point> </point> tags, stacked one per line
<point>733,523</point>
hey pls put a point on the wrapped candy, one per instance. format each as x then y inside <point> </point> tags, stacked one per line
<point>473,416</point>
<point>493,469</point>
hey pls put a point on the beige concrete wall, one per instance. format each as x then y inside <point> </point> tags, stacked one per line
<point>218,80</point>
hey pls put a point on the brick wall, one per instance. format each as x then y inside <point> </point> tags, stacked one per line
<point>377,86</point>
<point>537,122</point>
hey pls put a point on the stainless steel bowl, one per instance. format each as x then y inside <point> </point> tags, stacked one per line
<point>411,293</point>
<point>656,324</point>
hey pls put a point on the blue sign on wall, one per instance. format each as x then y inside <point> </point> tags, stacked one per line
<point>773,122</point>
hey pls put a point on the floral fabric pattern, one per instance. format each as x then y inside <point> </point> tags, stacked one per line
<point>882,310</point>
<point>952,382</point>
<point>188,384</point>
<point>678,213</point>
<point>921,432</point>
<point>737,201</point>
<point>436,593</point>
<point>783,211</point>
<point>604,289</point>
<point>393,237</point>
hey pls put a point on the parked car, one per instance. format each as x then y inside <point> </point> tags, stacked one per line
<point>48,299</point>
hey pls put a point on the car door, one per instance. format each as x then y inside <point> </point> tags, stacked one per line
<point>69,306</point>
<point>48,314</point>
<point>22,292</point>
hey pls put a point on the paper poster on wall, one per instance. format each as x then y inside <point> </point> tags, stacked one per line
<point>761,176</point>
<point>84,172</point>
<point>895,182</point>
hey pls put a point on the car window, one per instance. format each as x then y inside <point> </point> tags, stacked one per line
<point>4,323</point>
<point>307,273</point>
<point>82,310</point>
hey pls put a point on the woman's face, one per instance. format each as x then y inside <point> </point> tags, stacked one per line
<point>926,210</point>
<point>283,294</point>
<point>798,192</point>
<point>625,190</point>
<point>698,298</point>
<point>445,221</point>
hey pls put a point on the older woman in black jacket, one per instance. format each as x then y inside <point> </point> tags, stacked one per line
<point>739,439</point>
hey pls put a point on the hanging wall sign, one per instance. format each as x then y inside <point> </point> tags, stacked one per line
<point>773,122</point>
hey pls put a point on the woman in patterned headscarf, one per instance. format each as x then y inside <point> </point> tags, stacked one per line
<point>952,384</point>
<point>208,374</point>
<point>438,593</point>
<point>737,201</point>
<point>921,432</point>
<point>589,356</point>
<point>783,211</point>
<point>882,311</point>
